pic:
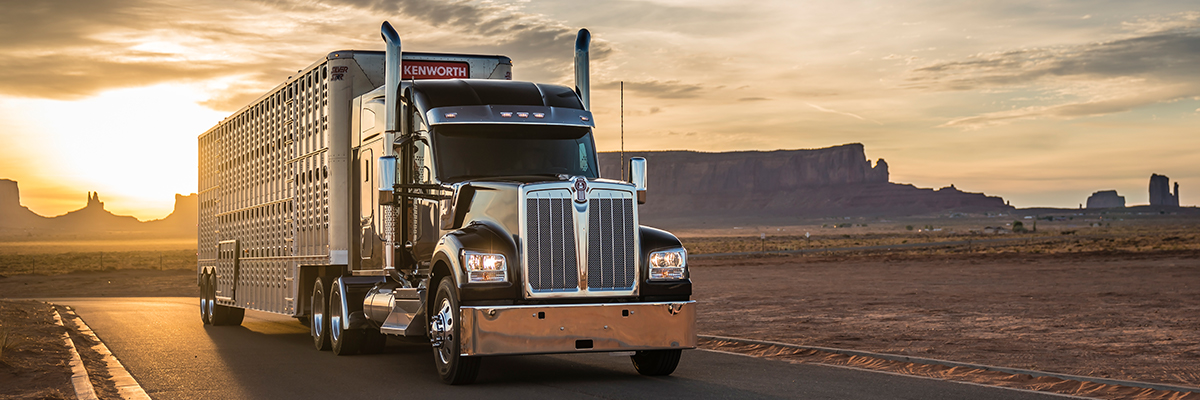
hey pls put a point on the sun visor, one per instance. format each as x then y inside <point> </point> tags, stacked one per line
<point>500,114</point>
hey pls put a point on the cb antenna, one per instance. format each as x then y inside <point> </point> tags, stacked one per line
<point>622,129</point>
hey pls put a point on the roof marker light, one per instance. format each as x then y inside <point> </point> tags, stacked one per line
<point>523,115</point>
<point>451,115</point>
<point>584,117</point>
<point>506,114</point>
<point>539,115</point>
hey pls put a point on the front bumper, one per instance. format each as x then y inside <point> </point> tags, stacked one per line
<point>576,328</point>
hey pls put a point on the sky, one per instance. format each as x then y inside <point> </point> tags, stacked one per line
<point>1039,102</point>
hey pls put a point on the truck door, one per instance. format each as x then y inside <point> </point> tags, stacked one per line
<point>370,243</point>
<point>424,232</point>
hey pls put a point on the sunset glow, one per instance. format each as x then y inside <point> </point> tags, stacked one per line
<point>1041,103</point>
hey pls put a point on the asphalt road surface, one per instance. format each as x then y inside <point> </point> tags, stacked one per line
<point>165,347</point>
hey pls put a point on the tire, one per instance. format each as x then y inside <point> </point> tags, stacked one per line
<point>452,367</point>
<point>656,362</point>
<point>343,341</point>
<point>205,300</point>
<point>318,325</point>
<point>374,341</point>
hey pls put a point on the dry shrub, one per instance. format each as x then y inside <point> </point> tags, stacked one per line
<point>8,343</point>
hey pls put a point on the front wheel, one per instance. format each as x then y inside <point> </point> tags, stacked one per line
<point>656,362</point>
<point>452,366</point>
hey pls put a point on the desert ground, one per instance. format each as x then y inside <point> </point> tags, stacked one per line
<point>1120,301</point>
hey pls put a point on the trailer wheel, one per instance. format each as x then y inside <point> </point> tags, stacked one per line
<point>453,368</point>
<point>205,299</point>
<point>318,326</point>
<point>656,362</point>
<point>344,341</point>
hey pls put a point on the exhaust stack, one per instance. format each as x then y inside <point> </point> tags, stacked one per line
<point>583,43</point>
<point>387,165</point>
<point>391,77</point>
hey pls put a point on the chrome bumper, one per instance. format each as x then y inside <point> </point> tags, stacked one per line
<point>576,328</point>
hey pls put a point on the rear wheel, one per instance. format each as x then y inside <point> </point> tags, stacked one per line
<point>343,341</point>
<point>656,362</point>
<point>452,366</point>
<point>318,325</point>
<point>205,299</point>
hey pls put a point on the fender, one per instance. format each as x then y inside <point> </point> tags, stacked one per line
<point>353,290</point>
<point>654,239</point>
<point>484,237</point>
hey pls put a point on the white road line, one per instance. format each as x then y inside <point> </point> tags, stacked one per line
<point>127,387</point>
<point>79,376</point>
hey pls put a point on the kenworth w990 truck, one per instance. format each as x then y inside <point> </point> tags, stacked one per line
<point>429,196</point>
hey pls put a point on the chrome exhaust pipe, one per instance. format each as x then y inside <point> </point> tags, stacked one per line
<point>391,77</point>
<point>391,89</point>
<point>583,43</point>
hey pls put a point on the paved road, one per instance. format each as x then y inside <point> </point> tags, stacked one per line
<point>166,348</point>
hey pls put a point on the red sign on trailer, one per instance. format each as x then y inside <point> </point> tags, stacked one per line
<point>435,70</point>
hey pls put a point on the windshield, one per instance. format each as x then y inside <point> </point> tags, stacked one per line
<point>475,151</point>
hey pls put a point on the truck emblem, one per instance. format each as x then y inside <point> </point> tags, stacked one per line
<point>581,188</point>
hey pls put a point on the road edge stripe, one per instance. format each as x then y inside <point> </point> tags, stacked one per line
<point>127,387</point>
<point>931,361</point>
<point>79,375</point>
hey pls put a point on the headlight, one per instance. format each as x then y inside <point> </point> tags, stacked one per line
<point>482,267</point>
<point>668,265</point>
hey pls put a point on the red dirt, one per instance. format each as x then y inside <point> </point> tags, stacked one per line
<point>1128,316</point>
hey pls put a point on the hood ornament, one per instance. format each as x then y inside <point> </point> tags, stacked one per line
<point>581,186</point>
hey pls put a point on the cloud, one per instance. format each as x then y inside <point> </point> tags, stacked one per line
<point>659,89</point>
<point>70,49</point>
<point>855,116</point>
<point>1156,64</point>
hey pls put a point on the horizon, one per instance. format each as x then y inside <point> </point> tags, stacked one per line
<point>1039,103</point>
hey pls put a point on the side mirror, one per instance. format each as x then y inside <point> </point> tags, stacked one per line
<point>387,179</point>
<point>637,176</point>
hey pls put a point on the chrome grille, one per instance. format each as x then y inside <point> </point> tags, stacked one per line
<point>551,245</point>
<point>610,244</point>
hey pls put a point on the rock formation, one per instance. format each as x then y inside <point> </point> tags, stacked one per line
<point>12,214</point>
<point>835,181</point>
<point>1160,191</point>
<point>1106,199</point>
<point>92,219</point>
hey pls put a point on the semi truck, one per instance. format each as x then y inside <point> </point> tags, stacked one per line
<point>429,197</point>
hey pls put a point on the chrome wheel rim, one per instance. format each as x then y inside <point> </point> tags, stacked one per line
<point>443,328</point>
<point>335,316</point>
<point>318,316</point>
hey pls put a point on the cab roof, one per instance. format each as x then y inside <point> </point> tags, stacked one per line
<point>433,93</point>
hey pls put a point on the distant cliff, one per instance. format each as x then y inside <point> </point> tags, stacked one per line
<point>92,219</point>
<point>834,181</point>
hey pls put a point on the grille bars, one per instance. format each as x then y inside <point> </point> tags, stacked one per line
<point>606,227</point>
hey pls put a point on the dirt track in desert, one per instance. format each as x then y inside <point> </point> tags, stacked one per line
<point>1130,316</point>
